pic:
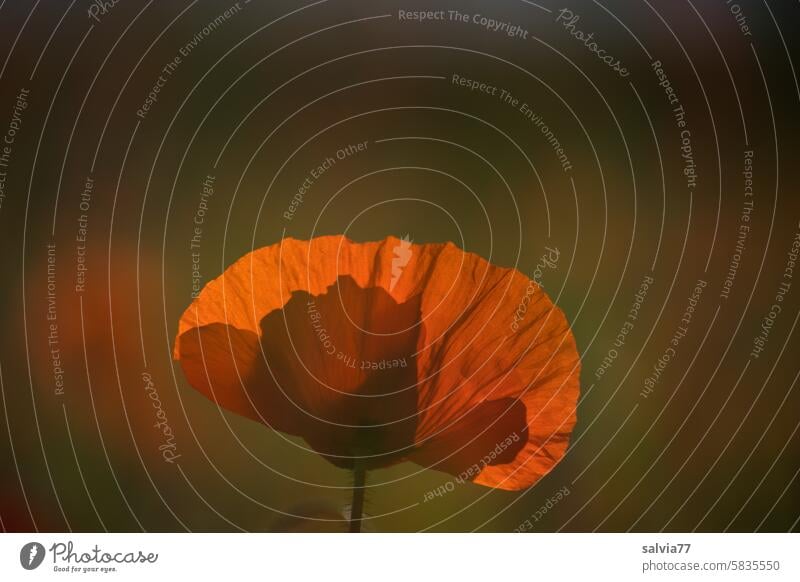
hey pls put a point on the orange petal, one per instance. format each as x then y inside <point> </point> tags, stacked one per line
<point>477,384</point>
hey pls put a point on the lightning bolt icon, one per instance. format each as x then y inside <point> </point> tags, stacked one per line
<point>34,551</point>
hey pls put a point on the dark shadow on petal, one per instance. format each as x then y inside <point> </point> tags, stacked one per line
<point>337,369</point>
<point>492,433</point>
<point>346,359</point>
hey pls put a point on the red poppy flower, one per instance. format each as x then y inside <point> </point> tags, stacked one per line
<point>382,352</point>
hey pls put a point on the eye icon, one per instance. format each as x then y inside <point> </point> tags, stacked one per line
<point>31,555</point>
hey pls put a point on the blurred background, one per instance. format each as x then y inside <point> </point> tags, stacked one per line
<point>676,171</point>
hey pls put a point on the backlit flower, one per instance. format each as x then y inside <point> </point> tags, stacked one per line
<point>382,352</point>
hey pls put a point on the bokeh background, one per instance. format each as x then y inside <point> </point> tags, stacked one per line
<point>270,90</point>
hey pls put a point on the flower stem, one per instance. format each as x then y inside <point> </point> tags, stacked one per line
<point>357,507</point>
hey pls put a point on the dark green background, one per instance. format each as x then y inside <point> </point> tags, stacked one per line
<point>714,448</point>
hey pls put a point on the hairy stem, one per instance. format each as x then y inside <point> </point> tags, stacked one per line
<point>357,507</point>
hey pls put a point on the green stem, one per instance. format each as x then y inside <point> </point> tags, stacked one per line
<point>357,507</point>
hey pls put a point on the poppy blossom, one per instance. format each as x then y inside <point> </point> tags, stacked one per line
<point>381,352</point>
